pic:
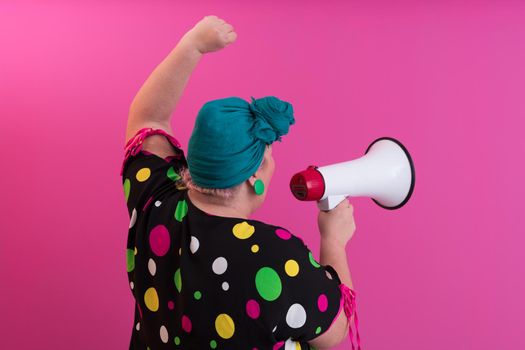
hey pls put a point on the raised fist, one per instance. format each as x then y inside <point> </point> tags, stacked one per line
<point>211,34</point>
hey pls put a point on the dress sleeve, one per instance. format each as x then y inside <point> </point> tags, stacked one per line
<point>310,298</point>
<point>146,175</point>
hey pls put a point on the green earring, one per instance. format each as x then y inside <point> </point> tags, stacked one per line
<point>258,186</point>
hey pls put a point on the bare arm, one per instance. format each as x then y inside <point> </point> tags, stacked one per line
<point>337,228</point>
<point>334,254</point>
<point>160,93</point>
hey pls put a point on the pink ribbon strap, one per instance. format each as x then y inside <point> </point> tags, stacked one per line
<point>134,144</point>
<point>350,309</point>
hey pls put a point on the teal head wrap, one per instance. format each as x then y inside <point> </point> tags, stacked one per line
<point>230,136</point>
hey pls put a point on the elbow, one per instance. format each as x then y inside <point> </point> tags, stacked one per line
<point>334,336</point>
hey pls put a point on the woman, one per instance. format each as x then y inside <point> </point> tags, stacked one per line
<point>203,274</point>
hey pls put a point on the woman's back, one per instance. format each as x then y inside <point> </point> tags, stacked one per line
<point>202,281</point>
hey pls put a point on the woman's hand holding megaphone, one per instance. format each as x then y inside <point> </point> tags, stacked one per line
<point>337,225</point>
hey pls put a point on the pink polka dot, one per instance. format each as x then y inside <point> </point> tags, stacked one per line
<point>283,234</point>
<point>186,323</point>
<point>252,309</point>
<point>322,303</point>
<point>159,240</point>
<point>278,345</point>
<point>171,305</point>
<point>140,310</point>
<point>147,203</point>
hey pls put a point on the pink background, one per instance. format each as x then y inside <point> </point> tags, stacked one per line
<point>445,78</point>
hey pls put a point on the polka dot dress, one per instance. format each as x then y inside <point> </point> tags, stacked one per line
<point>208,282</point>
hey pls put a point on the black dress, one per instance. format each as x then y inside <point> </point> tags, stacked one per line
<point>201,281</point>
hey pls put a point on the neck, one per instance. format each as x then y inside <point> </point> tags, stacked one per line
<point>232,209</point>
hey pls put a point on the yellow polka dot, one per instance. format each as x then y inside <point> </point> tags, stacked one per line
<point>151,299</point>
<point>224,326</point>
<point>243,230</point>
<point>135,252</point>
<point>180,251</point>
<point>255,248</point>
<point>143,174</point>
<point>291,267</point>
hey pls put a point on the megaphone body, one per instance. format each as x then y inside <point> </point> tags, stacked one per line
<point>385,173</point>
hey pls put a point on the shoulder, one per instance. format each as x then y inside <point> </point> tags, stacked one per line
<point>278,236</point>
<point>156,138</point>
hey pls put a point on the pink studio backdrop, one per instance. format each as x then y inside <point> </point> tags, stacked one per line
<point>446,78</point>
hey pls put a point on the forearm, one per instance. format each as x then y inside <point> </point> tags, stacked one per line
<point>334,254</point>
<point>160,93</point>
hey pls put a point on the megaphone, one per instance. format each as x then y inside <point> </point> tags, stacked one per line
<point>385,173</point>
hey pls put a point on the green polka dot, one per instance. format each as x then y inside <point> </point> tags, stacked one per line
<point>182,210</point>
<point>130,260</point>
<point>197,295</point>
<point>268,283</point>
<point>312,260</point>
<point>318,330</point>
<point>127,185</point>
<point>213,344</point>
<point>178,280</point>
<point>172,174</point>
<point>177,340</point>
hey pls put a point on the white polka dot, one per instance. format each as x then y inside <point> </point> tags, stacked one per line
<point>137,327</point>
<point>194,244</point>
<point>274,328</point>
<point>132,285</point>
<point>290,344</point>
<point>133,218</point>
<point>220,265</point>
<point>152,267</point>
<point>296,316</point>
<point>158,203</point>
<point>225,285</point>
<point>329,275</point>
<point>164,334</point>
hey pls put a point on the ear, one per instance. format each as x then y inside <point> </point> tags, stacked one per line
<point>251,180</point>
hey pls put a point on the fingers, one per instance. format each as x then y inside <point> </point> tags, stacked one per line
<point>227,32</point>
<point>231,37</point>
<point>221,24</point>
<point>350,204</point>
<point>227,27</point>
<point>216,19</point>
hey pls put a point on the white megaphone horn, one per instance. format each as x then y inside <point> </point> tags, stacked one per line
<point>385,173</point>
